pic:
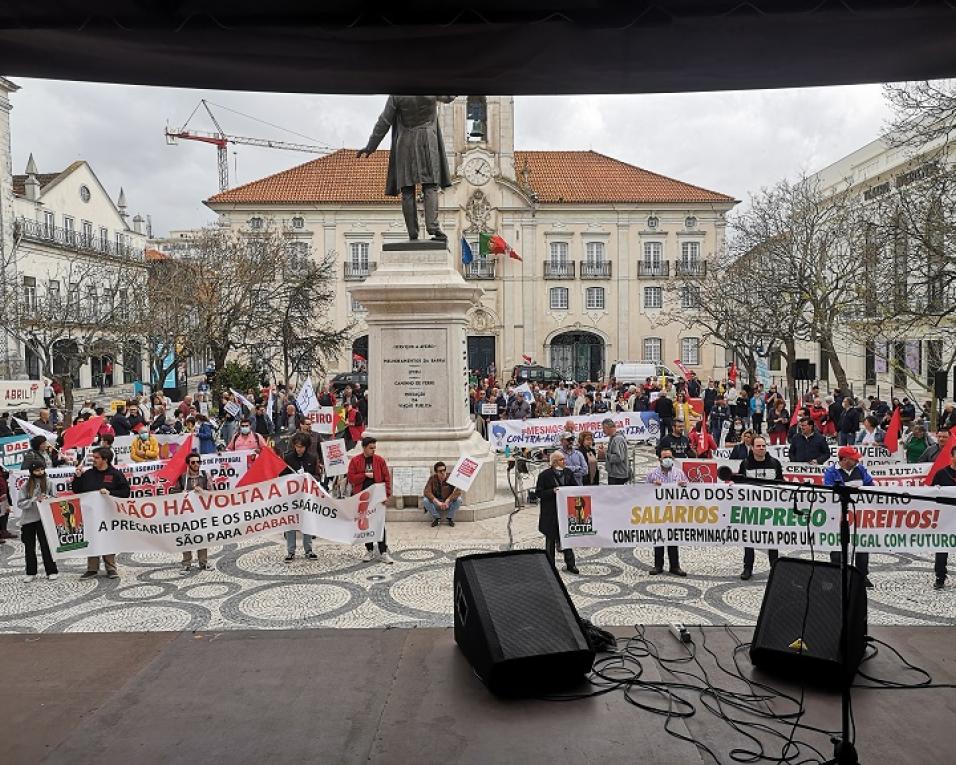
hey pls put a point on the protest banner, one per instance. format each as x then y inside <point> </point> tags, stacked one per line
<point>322,419</point>
<point>489,409</point>
<point>883,475</point>
<point>544,431</point>
<point>704,471</point>
<point>122,447</point>
<point>732,515</point>
<point>12,449</point>
<point>463,474</point>
<point>98,524</point>
<point>335,457</point>
<point>870,454</point>
<point>307,400</point>
<point>224,471</point>
<point>21,394</point>
<point>232,408</point>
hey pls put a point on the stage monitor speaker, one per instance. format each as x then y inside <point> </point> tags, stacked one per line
<point>939,389</point>
<point>779,635</point>
<point>516,624</point>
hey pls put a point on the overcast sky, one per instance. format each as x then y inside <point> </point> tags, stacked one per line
<point>732,142</point>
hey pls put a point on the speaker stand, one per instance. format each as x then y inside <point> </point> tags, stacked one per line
<point>844,753</point>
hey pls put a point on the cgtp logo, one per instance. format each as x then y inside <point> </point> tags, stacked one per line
<point>68,519</point>
<point>579,517</point>
<point>362,518</point>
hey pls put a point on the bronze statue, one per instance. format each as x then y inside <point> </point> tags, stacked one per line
<point>417,157</point>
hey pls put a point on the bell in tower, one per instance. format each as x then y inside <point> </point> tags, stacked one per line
<point>476,119</point>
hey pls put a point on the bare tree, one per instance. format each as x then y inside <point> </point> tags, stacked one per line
<point>924,112</point>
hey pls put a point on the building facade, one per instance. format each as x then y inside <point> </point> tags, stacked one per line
<point>603,244</point>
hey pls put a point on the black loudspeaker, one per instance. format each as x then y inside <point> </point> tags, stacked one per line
<point>777,639</point>
<point>939,389</point>
<point>516,624</point>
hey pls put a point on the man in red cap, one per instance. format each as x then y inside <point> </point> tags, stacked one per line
<point>849,472</point>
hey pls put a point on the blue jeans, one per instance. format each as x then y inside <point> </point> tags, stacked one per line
<point>290,542</point>
<point>453,506</point>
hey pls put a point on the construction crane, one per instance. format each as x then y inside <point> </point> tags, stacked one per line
<point>221,140</point>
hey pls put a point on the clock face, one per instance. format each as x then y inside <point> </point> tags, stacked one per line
<point>478,171</point>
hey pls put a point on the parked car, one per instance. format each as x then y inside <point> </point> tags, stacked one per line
<point>635,373</point>
<point>534,373</point>
<point>349,378</point>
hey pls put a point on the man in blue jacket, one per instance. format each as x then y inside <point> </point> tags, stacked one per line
<point>849,472</point>
<point>808,444</point>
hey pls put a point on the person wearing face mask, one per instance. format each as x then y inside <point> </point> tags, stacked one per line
<point>245,439</point>
<point>145,447</point>
<point>37,489</point>
<point>194,479</point>
<point>667,473</point>
<point>548,482</point>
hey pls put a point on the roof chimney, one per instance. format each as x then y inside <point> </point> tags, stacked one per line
<point>121,204</point>
<point>138,223</point>
<point>32,185</point>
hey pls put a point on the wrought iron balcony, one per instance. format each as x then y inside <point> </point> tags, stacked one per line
<point>480,269</point>
<point>66,239</point>
<point>601,270</point>
<point>559,269</point>
<point>653,269</point>
<point>358,272</point>
<point>690,268</point>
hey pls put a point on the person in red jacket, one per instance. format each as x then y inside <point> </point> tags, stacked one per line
<point>365,469</point>
<point>702,442</point>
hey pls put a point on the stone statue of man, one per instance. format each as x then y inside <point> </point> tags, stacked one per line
<point>417,156</point>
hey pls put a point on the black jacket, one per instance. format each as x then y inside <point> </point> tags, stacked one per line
<point>307,463</point>
<point>680,446</point>
<point>664,407</point>
<point>110,479</point>
<point>548,507</point>
<point>121,425</point>
<point>770,468</point>
<point>849,421</point>
<point>803,449</point>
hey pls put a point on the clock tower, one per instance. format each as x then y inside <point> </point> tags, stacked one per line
<point>478,132</point>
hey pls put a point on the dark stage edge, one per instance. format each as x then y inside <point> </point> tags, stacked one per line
<point>391,696</point>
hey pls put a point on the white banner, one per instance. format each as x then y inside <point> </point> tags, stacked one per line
<point>705,471</point>
<point>98,524</point>
<point>489,409</point>
<point>463,474</point>
<point>322,419</point>
<point>21,394</point>
<point>35,430</point>
<point>306,400</point>
<point>733,515</point>
<point>122,447</point>
<point>544,431</point>
<point>224,471</point>
<point>335,457</point>
<point>870,454</point>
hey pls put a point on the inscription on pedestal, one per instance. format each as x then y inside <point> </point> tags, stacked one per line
<point>415,376</point>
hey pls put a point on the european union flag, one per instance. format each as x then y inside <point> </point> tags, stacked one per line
<point>466,253</point>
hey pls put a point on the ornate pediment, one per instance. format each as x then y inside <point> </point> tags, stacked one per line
<point>478,212</point>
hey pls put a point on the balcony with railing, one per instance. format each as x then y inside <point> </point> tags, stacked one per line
<point>69,239</point>
<point>358,272</point>
<point>596,270</point>
<point>559,269</point>
<point>480,269</point>
<point>655,269</point>
<point>692,268</point>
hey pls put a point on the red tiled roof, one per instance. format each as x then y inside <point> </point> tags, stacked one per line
<point>20,182</point>
<point>556,176</point>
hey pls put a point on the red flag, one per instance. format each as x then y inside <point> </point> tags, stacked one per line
<point>268,465</point>
<point>526,358</point>
<point>892,438</point>
<point>943,458</point>
<point>684,370</point>
<point>732,373</point>
<point>171,471</point>
<point>795,416</point>
<point>83,434</point>
<point>358,357</point>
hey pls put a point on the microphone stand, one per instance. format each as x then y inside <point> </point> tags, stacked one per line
<point>844,751</point>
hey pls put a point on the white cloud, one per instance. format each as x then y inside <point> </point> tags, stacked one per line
<point>734,142</point>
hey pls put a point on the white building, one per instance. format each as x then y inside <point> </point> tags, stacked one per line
<point>50,223</point>
<point>603,243</point>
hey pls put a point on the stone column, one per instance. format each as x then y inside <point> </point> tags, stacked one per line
<point>418,383</point>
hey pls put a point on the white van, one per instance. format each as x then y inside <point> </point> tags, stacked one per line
<point>636,372</point>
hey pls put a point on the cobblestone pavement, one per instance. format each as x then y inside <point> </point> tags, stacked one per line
<point>251,587</point>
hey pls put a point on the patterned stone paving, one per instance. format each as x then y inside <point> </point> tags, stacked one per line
<point>251,587</point>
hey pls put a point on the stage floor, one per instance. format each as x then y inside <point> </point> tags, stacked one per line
<point>400,696</point>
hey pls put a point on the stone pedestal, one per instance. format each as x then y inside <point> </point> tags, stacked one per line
<point>417,369</point>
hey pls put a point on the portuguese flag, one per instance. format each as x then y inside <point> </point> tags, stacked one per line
<point>492,244</point>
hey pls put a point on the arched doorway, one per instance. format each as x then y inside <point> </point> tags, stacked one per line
<point>578,356</point>
<point>360,354</point>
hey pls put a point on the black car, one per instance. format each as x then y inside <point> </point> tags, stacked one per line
<point>349,378</point>
<point>536,374</point>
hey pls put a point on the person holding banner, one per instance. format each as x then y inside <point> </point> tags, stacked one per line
<point>945,476</point>
<point>667,473</point>
<point>366,469</point>
<point>37,489</point>
<point>300,460</point>
<point>759,464</point>
<point>106,479</point>
<point>849,472</point>
<point>145,447</point>
<point>548,481</point>
<point>194,479</point>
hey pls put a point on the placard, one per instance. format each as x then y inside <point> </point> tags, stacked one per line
<point>322,419</point>
<point>464,473</point>
<point>20,394</point>
<point>335,457</point>
<point>489,409</point>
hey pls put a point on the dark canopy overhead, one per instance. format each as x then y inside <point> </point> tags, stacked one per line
<point>479,46</point>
